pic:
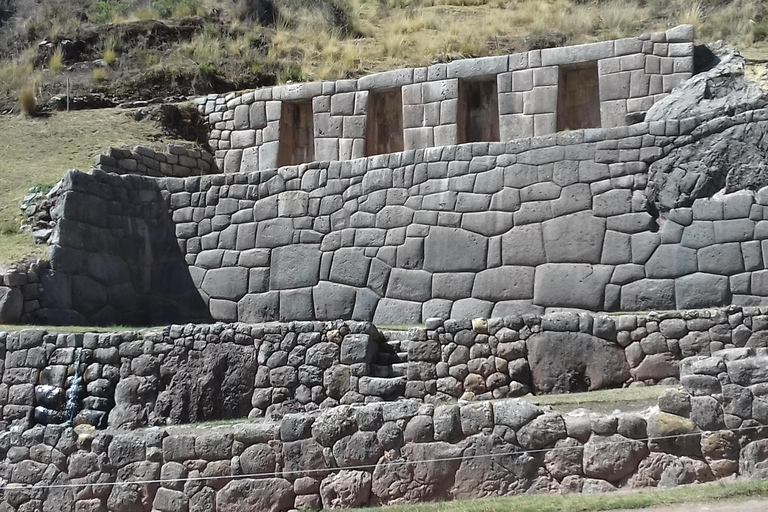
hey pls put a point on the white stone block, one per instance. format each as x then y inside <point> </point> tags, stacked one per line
<point>541,100</point>
<point>544,124</point>
<point>485,66</point>
<point>343,104</point>
<point>680,50</point>
<point>575,54</point>
<point>274,110</point>
<point>680,34</point>
<point>386,80</point>
<point>516,126</point>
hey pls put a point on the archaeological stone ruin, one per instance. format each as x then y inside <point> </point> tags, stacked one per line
<point>366,284</point>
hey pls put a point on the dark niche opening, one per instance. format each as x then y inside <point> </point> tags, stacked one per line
<point>297,138</point>
<point>578,98</point>
<point>385,122</point>
<point>478,111</point>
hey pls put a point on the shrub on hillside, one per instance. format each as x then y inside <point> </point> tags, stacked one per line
<point>27,101</point>
<point>56,62</point>
<point>107,11</point>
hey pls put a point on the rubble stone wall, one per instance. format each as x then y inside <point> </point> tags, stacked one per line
<point>632,74</point>
<point>178,161</point>
<point>188,373</point>
<point>377,454</point>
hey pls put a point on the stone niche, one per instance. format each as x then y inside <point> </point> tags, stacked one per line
<point>385,122</point>
<point>297,142</point>
<point>478,111</point>
<point>578,99</point>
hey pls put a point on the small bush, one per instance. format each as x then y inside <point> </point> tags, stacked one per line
<point>207,70</point>
<point>760,32</point>
<point>56,62</point>
<point>100,74</point>
<point>27,101</point>
<point>176,8</point>
<point>106,11</point>
<point>151,59</point>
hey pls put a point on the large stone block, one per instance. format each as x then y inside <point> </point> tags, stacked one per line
<point>454,250</point>
<point>350,266</point>
<point>11,305</point>
<point>333,301</point>
<point>397,312</point>
<point>410,284</point>
<point>570,361</point>
<point>576,238</point>
<point>296,305</point>
<point>261,307</point>
<point>523,245</point>
<point>229,283</point>
<point>671,260</point>
<point>648,294</point>
<point>504,283</point>
<point>701,290</point>
<point>571,285</point>
<point>723,259</point>
<point>294,266</point>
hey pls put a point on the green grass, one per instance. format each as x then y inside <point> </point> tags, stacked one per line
<point>739,491</point>
<point>602,400</point>
<point>37,151</point>
<point>76,329</point>
<point>401,327</point>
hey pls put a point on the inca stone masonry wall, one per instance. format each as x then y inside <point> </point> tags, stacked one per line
<point>630,74</point>
<point>476,230</point>
<point>190,373</point>
<point>390,453</point>
<point>178,161</point>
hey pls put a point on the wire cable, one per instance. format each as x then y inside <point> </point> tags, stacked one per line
<point>397,463</point>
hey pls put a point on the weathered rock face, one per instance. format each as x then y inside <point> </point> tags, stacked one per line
<point>212,383</point>
<point>563,362</point>
<point>720,89</point>
<point>731,160</point>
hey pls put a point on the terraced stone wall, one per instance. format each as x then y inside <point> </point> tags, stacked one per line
<point>114,256</point>
<point>377,454</point>
<point>477,230</point>
<point>178,161</point>
<point>631,75</point>
<point>189,373</point>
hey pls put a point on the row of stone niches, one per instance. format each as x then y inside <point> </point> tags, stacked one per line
<point>578,107</point>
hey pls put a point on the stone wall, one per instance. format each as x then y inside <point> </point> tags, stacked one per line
<point>378,454</point>
<point>476,230</point>
<point>20,292</point>
<point>632,75</point>
<point>115,259</point>
<point>189,373</point>
<point>178,161</point>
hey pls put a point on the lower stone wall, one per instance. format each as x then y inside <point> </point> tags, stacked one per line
<point>188,373</point>
<point>378,454</point>
<point>178,162</point>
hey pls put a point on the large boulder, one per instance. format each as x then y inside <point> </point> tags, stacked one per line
<point>732,159</point>
<point>268,495</point>
<point>11,305</point>
<point>571,361</point>
<point>721,90</point>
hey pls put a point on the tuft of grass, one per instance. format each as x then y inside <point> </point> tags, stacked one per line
<point>207,70</point>
<point>27,100</point>
<point>107,11</point>
<point>56,62</point>
<point>100,74</point>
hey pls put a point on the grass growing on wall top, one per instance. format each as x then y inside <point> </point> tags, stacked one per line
<point>701,493</point>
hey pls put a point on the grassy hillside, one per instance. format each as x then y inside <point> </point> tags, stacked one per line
<point>141,49</point>
<point>206,45</point>
<point>39,151</point>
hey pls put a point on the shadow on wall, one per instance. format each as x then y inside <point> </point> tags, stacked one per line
<point>114,256</point>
